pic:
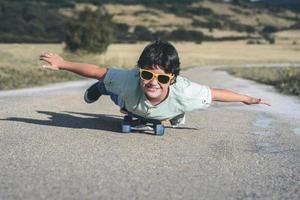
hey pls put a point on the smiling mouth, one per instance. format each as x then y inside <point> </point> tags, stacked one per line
<point>152,88</point>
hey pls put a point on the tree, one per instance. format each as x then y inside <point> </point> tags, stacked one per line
<point>142,33</point>
<point>90,31</point>
<point>181,34</point>
<point>269,29</point>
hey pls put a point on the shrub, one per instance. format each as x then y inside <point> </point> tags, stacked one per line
<point>89,31</point>
<point>239,27</point>
<point>269,38</point>
<point>199,11</point>
<point>142,33</point>
<point>269,29</point>
<point>28,21</point>
<point>211,24</point>
<point>254,41</point>
<point>121,33</point>
<point>181,34</point>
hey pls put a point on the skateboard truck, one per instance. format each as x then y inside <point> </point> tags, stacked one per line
<point>132,122</point>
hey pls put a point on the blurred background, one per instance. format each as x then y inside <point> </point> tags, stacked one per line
<point>227,33</point>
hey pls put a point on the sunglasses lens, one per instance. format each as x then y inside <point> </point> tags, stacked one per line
<point>163,79</point>
<point>146,75</point>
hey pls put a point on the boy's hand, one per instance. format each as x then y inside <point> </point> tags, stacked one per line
<point>53,61</point>
<point>230,96</point>
<point>251,100</point>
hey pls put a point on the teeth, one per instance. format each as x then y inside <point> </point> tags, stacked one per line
<point>152,87</point>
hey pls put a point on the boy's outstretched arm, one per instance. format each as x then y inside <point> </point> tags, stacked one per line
<point>230,96</point>
<point>56,62</point>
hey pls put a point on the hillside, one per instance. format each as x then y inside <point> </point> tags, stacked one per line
<point>212,18</point>
<point>287,3</point>
<point>35,21</point>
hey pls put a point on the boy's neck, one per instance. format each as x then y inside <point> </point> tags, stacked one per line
<point>155,102</point>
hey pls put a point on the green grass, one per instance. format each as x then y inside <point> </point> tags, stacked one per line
<point>285,79</point>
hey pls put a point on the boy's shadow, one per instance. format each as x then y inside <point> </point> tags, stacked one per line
<point>86,120</point>
<point>70,120</point>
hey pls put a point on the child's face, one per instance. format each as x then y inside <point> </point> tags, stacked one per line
<point>154,85</point>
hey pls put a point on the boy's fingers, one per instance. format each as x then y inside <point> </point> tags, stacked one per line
<point>265,102</point>
<point>254,101</point>
<point>46,56</point>
<point>259,101</point>
<point>45,59</point>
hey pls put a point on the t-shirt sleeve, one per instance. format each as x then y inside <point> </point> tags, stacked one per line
<point>196,96</point>
<point>116,80</point>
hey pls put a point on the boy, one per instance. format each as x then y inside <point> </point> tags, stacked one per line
<point>152,90</point>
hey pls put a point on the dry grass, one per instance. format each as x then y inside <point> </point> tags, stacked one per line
<point>237,53</point>
<point>129,9</point>
<point>289,38</point>
<point>289,35</point>
<point>221,9</point>
<point>275,21</point>
<point>149,17</point>
<point>19,62</point>
<point>126,55</point>
<point>19,66</point>
<point>217,33</point>
<point>208,53</point>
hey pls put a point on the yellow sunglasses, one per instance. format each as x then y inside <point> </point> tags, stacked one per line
<point>148,75</point>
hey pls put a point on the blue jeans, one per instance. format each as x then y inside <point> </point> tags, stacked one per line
<point>114,97</point>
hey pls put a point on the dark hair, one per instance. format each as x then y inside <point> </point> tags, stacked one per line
<point>160,53</point>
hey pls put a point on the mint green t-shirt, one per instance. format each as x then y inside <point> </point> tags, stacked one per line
<point>184,95</point>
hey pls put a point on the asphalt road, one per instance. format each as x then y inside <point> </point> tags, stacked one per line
<point>55,146</point>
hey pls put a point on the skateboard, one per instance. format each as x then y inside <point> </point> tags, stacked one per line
<point>132,122</point>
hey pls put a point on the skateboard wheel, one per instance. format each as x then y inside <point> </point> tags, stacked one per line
<point>159,129</point>
<point>126,128</point>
